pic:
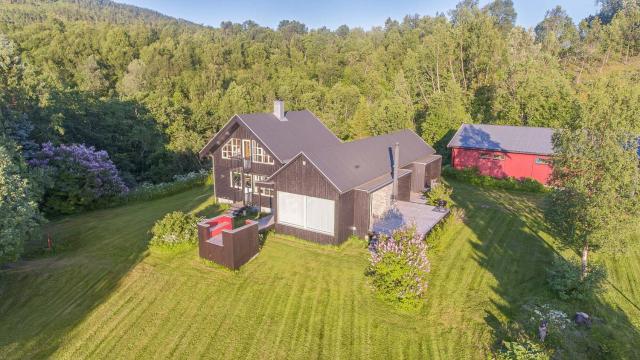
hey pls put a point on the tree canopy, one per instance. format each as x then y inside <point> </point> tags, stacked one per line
<point>150,89</point>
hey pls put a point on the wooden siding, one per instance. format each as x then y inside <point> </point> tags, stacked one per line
<point>361,212</point>
<point>433,171</point>
<point>344,216</point>
<point>517,165</point>
<point>237,246</point>
<point>417,176</point>
<point>303,178</point>
<point>222,168</point>
<point>404,188</point>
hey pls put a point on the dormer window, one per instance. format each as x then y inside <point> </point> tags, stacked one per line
<point>231,148</point>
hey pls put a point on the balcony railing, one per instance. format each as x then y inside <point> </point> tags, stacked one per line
<point>242,162</point>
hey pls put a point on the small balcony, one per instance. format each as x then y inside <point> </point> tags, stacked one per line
<point>240,161</point>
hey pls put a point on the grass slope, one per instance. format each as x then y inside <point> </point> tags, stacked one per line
<point>104,295</point>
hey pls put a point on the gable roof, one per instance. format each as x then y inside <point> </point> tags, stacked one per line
<point>302,131</point>
<point>519,139</point>
<point>350,164</point>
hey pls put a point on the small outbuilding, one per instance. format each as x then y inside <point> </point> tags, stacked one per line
<point>504,151</point>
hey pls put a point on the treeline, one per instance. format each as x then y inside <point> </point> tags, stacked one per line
<point>150,90</point>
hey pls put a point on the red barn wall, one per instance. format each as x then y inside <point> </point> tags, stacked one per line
<point>516,165</point>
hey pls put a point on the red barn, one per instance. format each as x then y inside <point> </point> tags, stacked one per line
<point>502,151</point>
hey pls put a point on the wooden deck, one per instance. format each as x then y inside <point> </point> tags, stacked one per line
<point>404,213</point>
<point>266,222</point>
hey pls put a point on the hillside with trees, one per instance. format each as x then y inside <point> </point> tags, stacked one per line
<point>150,89</point>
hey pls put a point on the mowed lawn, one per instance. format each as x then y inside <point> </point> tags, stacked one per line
<point>104,295</point>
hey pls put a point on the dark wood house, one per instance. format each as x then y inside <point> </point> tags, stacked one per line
<point>320,188</point>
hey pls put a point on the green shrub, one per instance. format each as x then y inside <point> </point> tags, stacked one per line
<point>433,238</point>
<point>148,191</point>
<point>564,279</point>
<point>473,177</point>
<point>524,350</point>
<point>399,268</point>
<point>174,229</point>
<point>440,192</point>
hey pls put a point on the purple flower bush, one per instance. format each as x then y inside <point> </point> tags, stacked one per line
<point>399,267</point>
<point>76,175</point>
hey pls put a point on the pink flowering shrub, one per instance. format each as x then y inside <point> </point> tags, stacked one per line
<point>76,176</point>
<point>399,267</point>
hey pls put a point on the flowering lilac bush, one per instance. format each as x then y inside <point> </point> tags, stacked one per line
<point>399,267</point>
<point>76,176</point>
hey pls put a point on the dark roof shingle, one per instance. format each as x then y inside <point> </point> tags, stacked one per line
<point>521,139</point>
<point>354,163</point>
<point>302,131</point>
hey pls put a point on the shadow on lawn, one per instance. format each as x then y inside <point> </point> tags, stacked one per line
<point>43,300</point>
<point>511,245</point>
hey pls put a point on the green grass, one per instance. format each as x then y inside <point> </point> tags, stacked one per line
<point>105,295</point>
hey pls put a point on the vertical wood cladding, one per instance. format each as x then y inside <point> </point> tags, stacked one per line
<point>404,188</point>
<point>238,245</point>
<point>224,166</point>
<point>303,178</point>
<point>344,216</point>
<point>433,170</point>
<point>417,176</point>
<point>361,212</point>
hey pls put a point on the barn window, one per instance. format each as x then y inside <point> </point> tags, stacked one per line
<point>306,212</point>
<point>231,148</point>
<point>498,157</point>
<point>542,161</point>
<point>485,156</point>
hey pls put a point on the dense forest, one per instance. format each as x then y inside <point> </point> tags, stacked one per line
<point>149,89</point>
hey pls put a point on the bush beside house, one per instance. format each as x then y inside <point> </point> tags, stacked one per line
<point>473,177</point>
<point>175,228</point>
<point>399,267</point>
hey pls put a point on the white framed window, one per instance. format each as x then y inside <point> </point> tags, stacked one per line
<point>257,178</point>
<point>306,212</point>
<point>543,161</point>
<point>485,156</point>
<point>498,157</point>
<point>264,191</point>
<point>231,148</point>
<point>260,155</point>
<point>235,180</point>
<point>246,148</point>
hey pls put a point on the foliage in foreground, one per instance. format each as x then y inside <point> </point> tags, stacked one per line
<point>564,279</point>
<point>473,177</point>
<point>596,173</point>
<point>175,228</point>
<point>435,235</point>
<point>18,206</point>
<point>440,192</point>
<point>525,350</point>
<point>399,267</point>
<point>76,176</point>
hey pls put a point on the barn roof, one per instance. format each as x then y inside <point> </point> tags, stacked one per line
<point>302,131</point>
<point>350,164</point>
<point>520,139</point>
